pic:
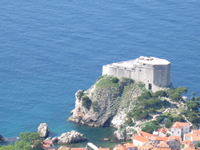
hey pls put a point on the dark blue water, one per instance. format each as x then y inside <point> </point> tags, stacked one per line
<point>51,49</point>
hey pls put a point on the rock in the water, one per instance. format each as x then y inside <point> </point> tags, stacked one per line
<point>49,138</point>
<point>70,137</point>
<point>1,138</point>
<point>55,140</point>
<point>43,130</point>
<point>64,148</point>
<point>106,139</point>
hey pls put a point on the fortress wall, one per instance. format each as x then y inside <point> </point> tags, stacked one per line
<point>119,72</point>
<point>162,75</point>
<point>105,70</point>
<point>154,76</point>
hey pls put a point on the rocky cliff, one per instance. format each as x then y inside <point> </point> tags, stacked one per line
<point>106,102</point>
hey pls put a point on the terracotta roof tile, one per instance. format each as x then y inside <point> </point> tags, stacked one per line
<point>163,130</point>
<point>180,124</point>
<point>120,147</point>
<point>100,148</point>
<point>146,147</point>
<point>178,138</point>
<point>196,131</point>
<point>159,138</point>
<point>145,134</point>
<point>129,145</point>
<point>161,148</point>
<point>163,144</point>
<point>140,138</point>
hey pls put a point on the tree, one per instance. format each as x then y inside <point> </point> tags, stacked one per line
<point>193,94</point>
<point>22,145</point>
<point>115,80</point>
<point>8,147</point>
<point>86,102</point>
<point>160,93</point>
<point>198,144</point>
<point>175,97</point>
<point>37,145</point>
<point>168,124</point>
<point>29,137</point>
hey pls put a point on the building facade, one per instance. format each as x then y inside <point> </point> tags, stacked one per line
<point>155,73</point>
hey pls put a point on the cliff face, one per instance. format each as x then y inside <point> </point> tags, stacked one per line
<point>106,102</point>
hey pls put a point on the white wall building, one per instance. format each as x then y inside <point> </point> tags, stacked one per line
<point>154,72</point>
<point>139,140</point>
<point>180,128</point>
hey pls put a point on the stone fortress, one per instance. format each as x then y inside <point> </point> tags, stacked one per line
<point>154,72</point>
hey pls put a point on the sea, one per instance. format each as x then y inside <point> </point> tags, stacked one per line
<point>50,49</point>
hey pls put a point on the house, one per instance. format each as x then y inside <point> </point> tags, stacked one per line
<point>120,147</point>
<point>188,145</point>
<point>157,139</point>
<point>139,140</point>
<point>179,128</point>
<point>161,149</point>
<point>47,144</point>
<point>195,138</point>
<point>130,146</point>
<point>162,132</point>
<point>100,148</point>
<point>145,147</point>
<point>174,142</point>
<point>163,144</point>
<point>145,134</point>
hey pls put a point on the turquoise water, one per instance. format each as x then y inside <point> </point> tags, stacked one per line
<point>51,49</point>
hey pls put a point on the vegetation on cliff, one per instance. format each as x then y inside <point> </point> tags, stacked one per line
<point>105,99</point>
<point>125,103</point>
<point>27,139</point>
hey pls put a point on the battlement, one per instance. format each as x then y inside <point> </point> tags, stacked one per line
<point>154,72</point>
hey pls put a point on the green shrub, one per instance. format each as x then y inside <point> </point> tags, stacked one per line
<point>150,127</point>
<point>127,80</point>
<point>160,93</point>
<point>115,80</point>
<point>168,134</point>
<point>168,124</point>
<point>141,85</point>
<point>160,119</point>
<point>86,102</point>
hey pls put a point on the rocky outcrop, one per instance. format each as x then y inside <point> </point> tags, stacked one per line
<point>69,137</point>
<point>125,134</point>
<point>64,148</point>
<point>43,130</point>
<point>1,138</point>
<point>110,101</point>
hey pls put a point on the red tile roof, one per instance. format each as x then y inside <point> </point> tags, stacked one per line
<point>196,131</point>
<point>100,148</point>
<point>178,138</point>
<point>161,148</point>
<point>120,147</point>
<point>180,124</point>
<point>145,134</point>
<point>163,130</point>
<point>146,147</point>
<point>140,138</point>
<point>163,145</point>
<point>159,138</point>
<point>128,145</point>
